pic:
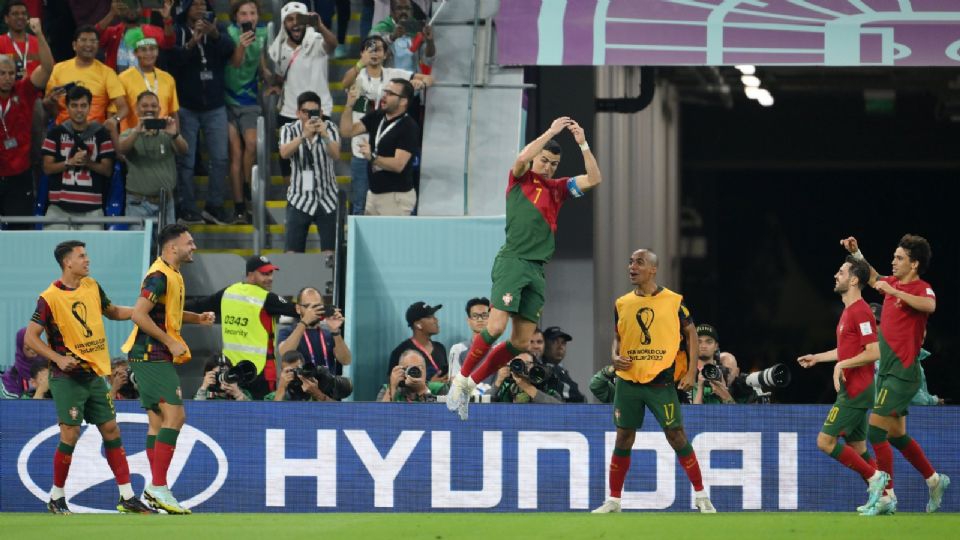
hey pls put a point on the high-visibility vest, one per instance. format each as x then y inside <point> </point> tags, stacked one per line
<point>244,337</point>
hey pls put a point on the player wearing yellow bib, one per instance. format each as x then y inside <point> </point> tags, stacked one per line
<point>649,322</point>
<point>153,347</point>
<point>71,312</point>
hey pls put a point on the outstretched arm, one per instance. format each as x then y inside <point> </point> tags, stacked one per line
<point>593,176</point>
<point>530,151</point>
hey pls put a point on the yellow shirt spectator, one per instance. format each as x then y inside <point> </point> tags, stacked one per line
<point>159,82</point>
<point>102,82</point>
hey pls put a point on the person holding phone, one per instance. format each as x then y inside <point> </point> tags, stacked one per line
<point>242,92</point>
<point>147,77</point>
<point>401,30</point>
<point>150,149</point>
<point>318,334</point>
<point>118,41</point>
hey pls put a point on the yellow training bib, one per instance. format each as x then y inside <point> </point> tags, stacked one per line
<point>79,317</point>
<point>649,330</point>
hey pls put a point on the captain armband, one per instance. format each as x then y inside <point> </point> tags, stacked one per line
<point>572,187</point>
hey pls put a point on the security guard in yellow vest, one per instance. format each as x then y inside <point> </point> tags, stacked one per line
<point>649,322</point>
<point>247,312</point>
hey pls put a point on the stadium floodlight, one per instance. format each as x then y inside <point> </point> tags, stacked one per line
<point>765,100</point>
<point>752,92</point>
<point>746,69</point>
<point>750,80</point>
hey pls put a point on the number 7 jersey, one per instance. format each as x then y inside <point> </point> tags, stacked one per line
<point>533,204</point>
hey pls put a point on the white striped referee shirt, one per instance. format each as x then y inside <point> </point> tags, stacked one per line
<point>313,179</point>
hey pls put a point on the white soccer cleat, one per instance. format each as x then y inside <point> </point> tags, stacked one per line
<point>704,505</point>
<point>936,493</point>
<point>875,490</point>
<point>161,498</point>
<point>455,394</point>
<point>609,506</point>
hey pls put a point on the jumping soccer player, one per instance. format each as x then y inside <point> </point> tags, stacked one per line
<point>153,347</point>
<point>71,312</point>
<point>907,304</point>
<point>644,355</point>
<point>534,199</point>
<point>856,351</point>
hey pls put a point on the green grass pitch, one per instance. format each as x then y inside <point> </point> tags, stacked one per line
<point>485,526</point>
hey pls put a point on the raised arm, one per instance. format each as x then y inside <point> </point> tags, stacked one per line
<point>850,244</point>
<point>41,75</point>
<point>349,128</point>
<point>593,176</point>
<point>530,151</point>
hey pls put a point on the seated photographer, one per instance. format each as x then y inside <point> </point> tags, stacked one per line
<point>121,387</point>
<point>408,381</point>
<point>220,382</point>
<point>299,381</point>
<point>317,335</point>
<point>422,319</point>
<point>524,380</point>
<point>554,351</point>
<point>603,384</point>
<point>718,380</point>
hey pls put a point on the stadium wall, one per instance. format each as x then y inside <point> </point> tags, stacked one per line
<point>374,457</point>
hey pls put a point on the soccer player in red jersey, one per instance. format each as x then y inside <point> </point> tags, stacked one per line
<point>534,199</point>
<point>908,302</point>
<point>856,352</point>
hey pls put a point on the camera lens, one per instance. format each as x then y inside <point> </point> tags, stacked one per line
<point>414,372</point>
<point>518,366</point>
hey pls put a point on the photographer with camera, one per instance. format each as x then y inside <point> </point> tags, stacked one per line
<point>222,381</point>
<point>121,385</point>
<point>555,350</point>
<point>317,335</point>
<point>408,381</point>
<point>524,380</point>
<point>300,381</point>
<point>718,376</point>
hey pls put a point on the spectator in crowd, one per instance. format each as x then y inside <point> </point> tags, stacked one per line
<point>422,319</point>
<point>325,9</point>
<point>300,54</point>
<point>78,159</point>
<point>88,12</point>
<point>536,343</point>
<point>39,384</point>
<point>151,161</point>
<point>370,78</point>
<point>248,61</point>
<point>555,350</point>
<point>478,311</point>
<point>603,384</point>
<point>408,381</point>
<point>17,100</point>
<point>727,389</point>
<point>15,42</point>
<point>100,81</point>
<point>311,144</point>
<point>317,335</point>
<point>147,77</point>
<point>16,380</point>
<point>389,153</point>
<point>118,42</point>
<point>510,387</point>
<point>213,387</point>
<point>121,387</point>
<point>400,31</point>
<point>381,10</point>
<point>299,381</point>
<point>201,56</point>
<point>248,312</point>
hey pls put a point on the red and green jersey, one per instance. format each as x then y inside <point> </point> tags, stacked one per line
<point>901,331</point>
<point>857,329</point>
<point>533,204</point>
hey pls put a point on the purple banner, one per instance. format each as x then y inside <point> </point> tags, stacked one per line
<point>724,32</point>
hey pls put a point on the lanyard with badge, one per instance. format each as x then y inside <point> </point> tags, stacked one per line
<point>429,356</point>
<point>205,74</point>
<point>155,87</point>
<point>323,344</point>
<point>381,133</point>
<point>21,59</point>
<point>9,141</point>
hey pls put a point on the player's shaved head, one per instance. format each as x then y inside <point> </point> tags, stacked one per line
<point>650,257</point>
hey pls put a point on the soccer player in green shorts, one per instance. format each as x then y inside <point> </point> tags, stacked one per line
<point>534,199</point>
<point>71,312</point>
<point>153,347</point>
<point>908,302</point>
<point>649,321</point>
<point>856,352</point>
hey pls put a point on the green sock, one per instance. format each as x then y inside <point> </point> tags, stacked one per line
<point>686,450</point>
<point>866,456</point>
<point>876,435</point>
<point>168,436</point>
<point>900,442</point>
<point>151,441</point>
<point>486,337</point>
<point>65,448</point>
<point>115,443</point>
<point>513,350</point>
<point>837,450</point>
<point>621,452</point>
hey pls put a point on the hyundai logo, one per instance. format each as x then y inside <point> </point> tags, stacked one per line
<point>90,468</point>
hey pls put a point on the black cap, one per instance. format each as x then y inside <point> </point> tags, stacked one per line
<point>553,332</point>
<point>420,310</point>
<point>260,264</point>
<point>708,330</point>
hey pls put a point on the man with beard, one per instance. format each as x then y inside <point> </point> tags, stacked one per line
<point>119,41</point>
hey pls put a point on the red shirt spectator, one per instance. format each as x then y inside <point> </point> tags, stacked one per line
<point>17,43</point>
<point>16,111</point>
<point>112,37</point>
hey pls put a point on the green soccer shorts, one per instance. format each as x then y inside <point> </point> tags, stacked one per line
<point>849,422</point>
<point>631,399</point>
<point>518,287</point>
<point>894,395</point>
<point>86,397</point>
<point>157,383</point>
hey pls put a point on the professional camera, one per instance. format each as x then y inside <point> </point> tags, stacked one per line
<point>765,381</point>
<point>715,373</point>
<point>538,373</point>
<point>334,386</point>
<point>243,374</point>
<point>414,372</point>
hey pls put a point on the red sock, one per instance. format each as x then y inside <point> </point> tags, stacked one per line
<point>117,459</point>
<point>692,467</point>
<point>478,349</point>
<point>849,457</point>
<point>61,466</point>
<point>884,459</point>
<point>619,465</point>
<point>162,455</point>
<point>869,459</point>
<point>498,357</point>
<point>917,458</point>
